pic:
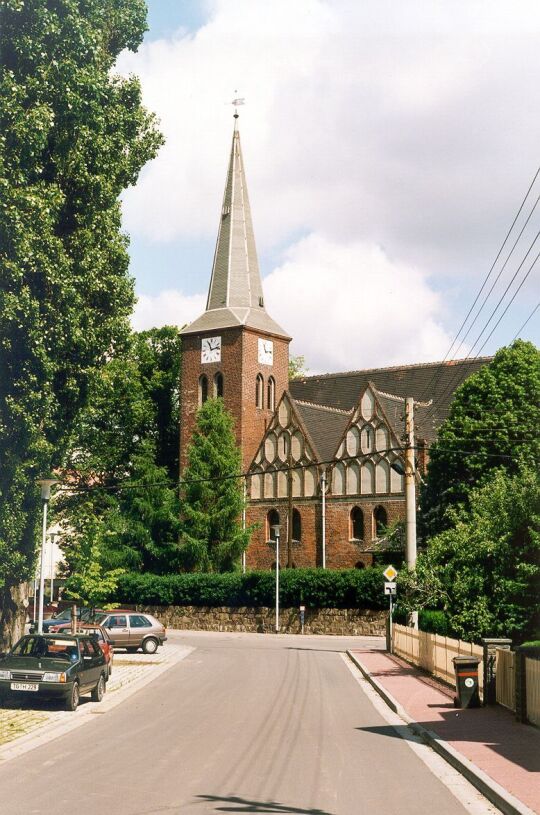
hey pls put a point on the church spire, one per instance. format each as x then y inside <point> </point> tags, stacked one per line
<point>235,295</point>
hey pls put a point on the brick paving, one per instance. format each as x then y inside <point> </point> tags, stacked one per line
<point>507,751</point>
<point>22,717</point>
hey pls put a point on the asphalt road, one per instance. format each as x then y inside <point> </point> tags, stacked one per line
<point>246,723</point>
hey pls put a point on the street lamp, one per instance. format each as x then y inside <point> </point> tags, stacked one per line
<point>276,530</point>
<point>45,484</point>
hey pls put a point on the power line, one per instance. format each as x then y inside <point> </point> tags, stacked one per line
<point>531,315</point>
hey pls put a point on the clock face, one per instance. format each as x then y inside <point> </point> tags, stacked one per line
<point>211,349</point>
<point>266,352</point>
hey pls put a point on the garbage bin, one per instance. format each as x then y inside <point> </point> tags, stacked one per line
<point>466,681</point>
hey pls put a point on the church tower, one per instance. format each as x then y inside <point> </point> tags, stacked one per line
<point>234,349</point>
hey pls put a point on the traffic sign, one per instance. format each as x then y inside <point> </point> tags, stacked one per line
<point>389,587</point>
<point>390,573</point>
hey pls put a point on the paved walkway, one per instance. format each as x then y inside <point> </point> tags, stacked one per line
<point>489,737</point>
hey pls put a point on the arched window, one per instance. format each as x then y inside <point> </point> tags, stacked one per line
<point>218,385</point>
<point>380,518</point>
<point>271,394</point>
<point>356,524</point>
<point>259,391</point>
<point>360,565</point>
<point>203,389</point>
<point>296,526</point>
<point>272,519</point>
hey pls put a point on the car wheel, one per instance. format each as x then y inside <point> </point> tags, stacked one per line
<point>99,690</point>
<point>72,701</point>
<point>150,645</point>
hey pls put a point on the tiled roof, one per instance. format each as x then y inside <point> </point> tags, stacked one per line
<point>425,381</point>
<point>325,426</point>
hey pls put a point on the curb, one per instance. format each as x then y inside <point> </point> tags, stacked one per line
<point>44,735</point>
<point>493,791</point>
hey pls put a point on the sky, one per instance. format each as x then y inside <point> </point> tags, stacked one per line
<point>388,147</point>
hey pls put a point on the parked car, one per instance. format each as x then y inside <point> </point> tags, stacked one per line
<point>133,630</point>
<point>83,614</point>
<point>96,630</point>
<point>54,666</point>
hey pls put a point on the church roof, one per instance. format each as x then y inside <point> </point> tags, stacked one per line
<point>425,381</point>
<point>235,297</point>
<point>325,426</point>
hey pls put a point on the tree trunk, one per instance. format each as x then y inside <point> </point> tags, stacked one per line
<point>12,614</point>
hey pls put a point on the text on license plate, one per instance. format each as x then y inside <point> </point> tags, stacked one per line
<point>24,686</point>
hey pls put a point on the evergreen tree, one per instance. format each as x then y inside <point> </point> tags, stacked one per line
<point>493,424</point>
<point>212,501</point>
<point>72,137</point>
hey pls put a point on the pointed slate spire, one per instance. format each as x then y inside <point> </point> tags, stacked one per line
<point>235,296</point>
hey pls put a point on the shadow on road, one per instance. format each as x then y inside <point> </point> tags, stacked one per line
<point>236,804</point>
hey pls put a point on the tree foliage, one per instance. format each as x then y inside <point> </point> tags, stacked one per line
<point>72,137</point>
<point>484,571</point>
<point>212,501</point>
<point>493,424</point>
<point>123,449</point>
<point>297,367</point>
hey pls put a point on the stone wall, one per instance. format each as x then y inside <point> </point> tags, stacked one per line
<point>350,622</point>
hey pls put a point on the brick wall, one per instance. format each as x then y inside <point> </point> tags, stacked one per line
<point>341,551</point>
<point>239,366</point>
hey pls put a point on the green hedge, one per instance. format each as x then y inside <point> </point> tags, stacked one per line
<point>316,588</point>
<point>434,622</point>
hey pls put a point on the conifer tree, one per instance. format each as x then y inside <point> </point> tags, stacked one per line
<point>212,501</point>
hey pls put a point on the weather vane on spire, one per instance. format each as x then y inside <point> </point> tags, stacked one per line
<point>238,100</point>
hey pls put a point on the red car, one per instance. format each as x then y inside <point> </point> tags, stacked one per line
<point>101,634</point>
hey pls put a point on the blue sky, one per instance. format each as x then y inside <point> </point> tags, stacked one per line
<point>387,150</point>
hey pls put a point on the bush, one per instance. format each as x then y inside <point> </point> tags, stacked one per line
<point>434,622</point>
<point>316,588</point>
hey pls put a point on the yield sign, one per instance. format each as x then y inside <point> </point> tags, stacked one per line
<point>390,573</point>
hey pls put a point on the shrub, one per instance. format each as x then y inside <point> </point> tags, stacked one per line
<point>317,588</point>
<point>434,622</point>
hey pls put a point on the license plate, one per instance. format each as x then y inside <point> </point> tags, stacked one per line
<point>24,686</point>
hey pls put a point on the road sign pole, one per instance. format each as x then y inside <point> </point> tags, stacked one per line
<point>391,637</point>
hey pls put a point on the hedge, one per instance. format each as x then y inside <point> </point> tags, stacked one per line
<point>315,588</point>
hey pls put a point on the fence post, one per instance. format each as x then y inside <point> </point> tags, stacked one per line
<point>520,686</point>
<point>490,645</point>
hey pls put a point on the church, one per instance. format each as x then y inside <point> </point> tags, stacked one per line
<point>321,454</point>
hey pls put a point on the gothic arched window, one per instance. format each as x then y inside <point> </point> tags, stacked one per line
<point>356,531</point>
<point>259,391</point>
<point>203,389</point>
<point>271,394</point>
<point>296,526</point>
<point>272,519</point>
<point>218,385</point>
<point>380,518</point>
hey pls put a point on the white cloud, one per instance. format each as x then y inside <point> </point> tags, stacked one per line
<point>406,125</point>
<point>169,307</point>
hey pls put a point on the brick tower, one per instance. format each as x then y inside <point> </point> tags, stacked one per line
<point>234,349</point>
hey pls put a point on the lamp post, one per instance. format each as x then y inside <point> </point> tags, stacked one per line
<point>45,484</point>
<point>276,530</point>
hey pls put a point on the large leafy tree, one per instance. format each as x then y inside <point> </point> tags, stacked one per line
<point>212,501</point>
<point>123,449</point>
<point>493,424</point>
<point>484,571</point>
<point>72,137</point>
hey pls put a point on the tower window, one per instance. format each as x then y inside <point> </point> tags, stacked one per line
<point>296,526</point>
<point>259,391</point>
<point>272,519</point>
<point>380,518</point>
<point>218,385</point>
<point>356,531</point>
<point>203,389</point>
<point>271,394</point>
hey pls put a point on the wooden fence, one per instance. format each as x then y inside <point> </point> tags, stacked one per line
<point>505,679</point>
<point>434,653</point>
<point>532,685</point>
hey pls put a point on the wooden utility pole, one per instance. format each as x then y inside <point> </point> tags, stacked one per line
<point>290,510</point>
<point>410,495</point>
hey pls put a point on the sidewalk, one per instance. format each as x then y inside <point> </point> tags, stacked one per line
<point>497,754</point>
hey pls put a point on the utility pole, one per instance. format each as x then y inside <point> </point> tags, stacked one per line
<point>410,495</point>
<point>290,510</point>
<point>244,523</point>
<point>323,517</point>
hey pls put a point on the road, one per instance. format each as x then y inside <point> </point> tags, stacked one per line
<point>246,723</point>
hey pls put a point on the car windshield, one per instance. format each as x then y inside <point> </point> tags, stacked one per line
<point>57,648</point>
<point>63,615</point>
<point>99,618</point>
